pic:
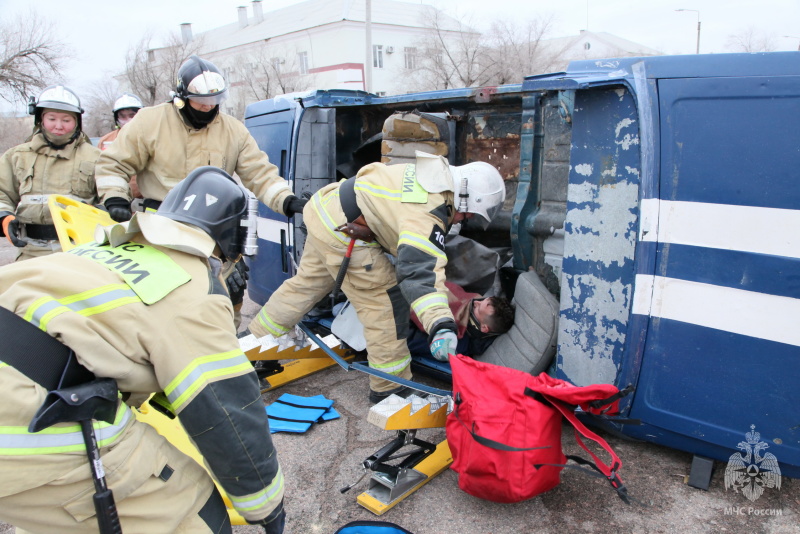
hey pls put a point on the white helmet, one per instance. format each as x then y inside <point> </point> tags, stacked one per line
<point>56,97</point>
<point>479,189</point>
<point>60,98</point>
<point>127,101</point>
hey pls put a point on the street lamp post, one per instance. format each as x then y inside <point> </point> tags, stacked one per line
<point>698,27</point>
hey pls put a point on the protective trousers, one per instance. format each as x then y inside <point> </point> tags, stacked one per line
<point>371,286</point>
<point>157,488</point>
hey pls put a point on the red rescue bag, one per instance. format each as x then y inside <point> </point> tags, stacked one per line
<point>505,430</point>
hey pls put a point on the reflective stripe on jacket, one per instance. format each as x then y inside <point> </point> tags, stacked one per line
<point>156,320</point>
<point>161,150</point>
<point>31,171</point>
<point>413,232</point>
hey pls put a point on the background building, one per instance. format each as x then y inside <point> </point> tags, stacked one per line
<point>323,44</point>
<point>313,44</point>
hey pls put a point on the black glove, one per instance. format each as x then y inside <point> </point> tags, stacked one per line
<point>10,226</point>
<point>293,205</point>
<point>237,282</point>
<point>119,209</point>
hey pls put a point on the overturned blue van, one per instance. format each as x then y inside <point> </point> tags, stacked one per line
<point>657,199</point>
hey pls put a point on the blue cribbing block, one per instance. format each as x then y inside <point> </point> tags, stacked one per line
<point>317,401</point>
<point>277,425</point>
<point>293,413</point>
<point>329,415</point>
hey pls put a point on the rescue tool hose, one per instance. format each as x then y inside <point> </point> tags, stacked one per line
<point>343,268</point>
<point>370,371</point>
<point>104,506</point>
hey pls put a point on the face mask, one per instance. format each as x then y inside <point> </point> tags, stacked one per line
<point>199,119</point>
<point>59,141</point>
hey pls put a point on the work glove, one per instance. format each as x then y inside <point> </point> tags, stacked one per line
<point>119,209</point>
<point>11,230</point>
<point>293,205</point>
<point>237,282</point>
<point>444,344</point>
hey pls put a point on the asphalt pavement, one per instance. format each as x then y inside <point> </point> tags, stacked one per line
<point>317,463</point>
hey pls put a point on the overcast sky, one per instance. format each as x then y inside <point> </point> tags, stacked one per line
<point>100,32</point>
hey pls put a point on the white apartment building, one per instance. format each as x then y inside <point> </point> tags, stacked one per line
<point>323,44</point>
<point>317,44</point>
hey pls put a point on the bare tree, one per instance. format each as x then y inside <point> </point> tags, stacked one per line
<point>268,71</point>
<point>31,56</point>
<point>265,72</point>
<point>516,49</point>
<point>99,117</point>
<point>14,130</point>
<point>751,40</point>
<point>150,73</point>
<point>452,55</point>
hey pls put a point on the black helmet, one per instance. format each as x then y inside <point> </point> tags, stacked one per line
<point>201,81</point>
<point>211,200</point>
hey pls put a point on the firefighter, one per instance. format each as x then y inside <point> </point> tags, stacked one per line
<point>160,272</point>
<point>58,158</point>
<point>167,141</point>
<point>124,109</point>
<point>405,210</point>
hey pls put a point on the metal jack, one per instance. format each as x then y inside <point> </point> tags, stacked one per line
<point>390,482</point>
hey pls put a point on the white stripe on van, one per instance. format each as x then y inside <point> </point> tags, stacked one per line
<point>722,226</point>
<point>738,311</point>
<point>270,230</point>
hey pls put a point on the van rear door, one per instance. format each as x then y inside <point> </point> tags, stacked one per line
<point>722,351</point>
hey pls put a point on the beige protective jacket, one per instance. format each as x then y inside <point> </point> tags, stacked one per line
<point>157,320</point>
<point>413,231</point>
<point>161,149</point>
<point>411,227</point>
<point>33,170</point>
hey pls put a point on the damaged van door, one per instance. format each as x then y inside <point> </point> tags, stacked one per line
<point>656,199</point>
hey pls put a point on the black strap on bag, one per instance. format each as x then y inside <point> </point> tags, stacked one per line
<point>567,411</point>
<point>599,403</point>
<point>486,442</point>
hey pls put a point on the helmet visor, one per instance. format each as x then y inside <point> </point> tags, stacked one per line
<point>207,88</point>
<point>211,100</point>
<point>485,207</point>
<point>491,213</point>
